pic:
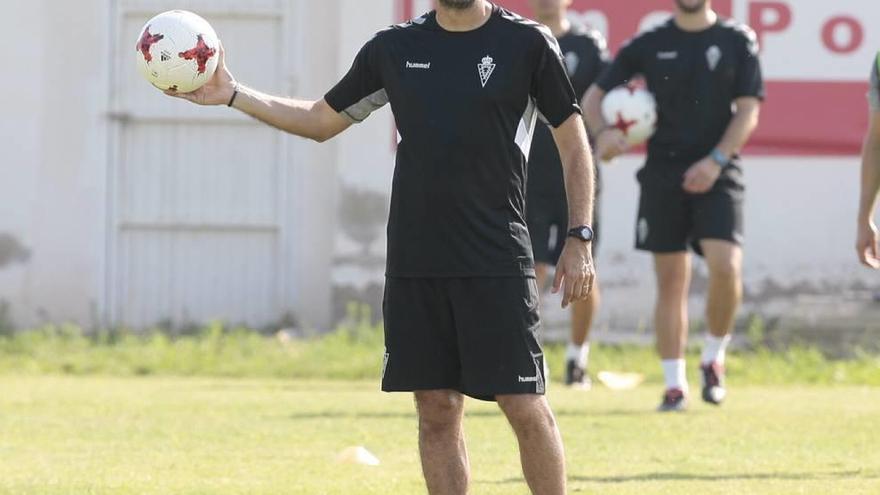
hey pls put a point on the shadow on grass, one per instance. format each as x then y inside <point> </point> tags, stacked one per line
<point>706,477</point>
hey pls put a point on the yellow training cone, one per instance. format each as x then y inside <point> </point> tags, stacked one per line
<point>620,381</point>
<point>358,455</point>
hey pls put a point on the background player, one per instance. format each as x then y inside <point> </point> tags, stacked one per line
<point>466,84</point>
<point>586,55</point>
<point>698,67</point>
<point>866,242</point>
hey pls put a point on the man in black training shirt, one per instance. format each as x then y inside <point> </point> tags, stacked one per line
<point>467,84</point>
<point>698,67</point>
<point>586,55</point>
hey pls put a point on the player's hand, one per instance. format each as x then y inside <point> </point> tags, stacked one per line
<point>701,177</point>
<point>610,144</point>
<point>217,91</point>
<point>866,245</point>
<point>575,272</point>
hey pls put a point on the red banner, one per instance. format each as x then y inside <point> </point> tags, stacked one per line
<point>816,58</point>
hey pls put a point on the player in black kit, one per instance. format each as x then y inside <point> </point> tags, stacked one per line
<point>586,55</point>
<point>706,77</point>
<point>467,84</point>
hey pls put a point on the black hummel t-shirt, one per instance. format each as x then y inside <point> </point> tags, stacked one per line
<point>695,77</point>
<point>585,53</point>
<point>466,105</point>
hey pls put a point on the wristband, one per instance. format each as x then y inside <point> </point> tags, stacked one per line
<point>720,158</point>
<point>234,95</point>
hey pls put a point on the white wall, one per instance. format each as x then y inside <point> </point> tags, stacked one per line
<point>54,142</point>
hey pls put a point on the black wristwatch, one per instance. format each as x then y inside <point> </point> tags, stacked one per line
<point>584,233</point>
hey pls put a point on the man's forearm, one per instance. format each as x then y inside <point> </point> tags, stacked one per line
<point>577,169</point>
<point>740,129</point>
<point>579,187</point>
<point>298,117</point>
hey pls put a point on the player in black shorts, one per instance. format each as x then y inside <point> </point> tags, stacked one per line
<point>706,77</point>
<point>586,55</point>
<point>467,84</point>
<point>866,239</point>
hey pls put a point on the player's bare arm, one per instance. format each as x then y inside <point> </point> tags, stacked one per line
<point>867,238</point>
<point>701,176</point>
<point>610,141</point>
<point>309,119</point>
<point>575,272</point>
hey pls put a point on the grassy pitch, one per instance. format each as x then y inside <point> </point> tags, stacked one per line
<point>159,435</point>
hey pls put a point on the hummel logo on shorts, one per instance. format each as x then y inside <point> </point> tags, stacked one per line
<point>418,65</point>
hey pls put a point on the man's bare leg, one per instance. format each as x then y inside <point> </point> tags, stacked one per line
<point>671,324</point>
<point>441,441</point>
<point>582,314</point>
<point>670,315</point>
<point>724,260</point>
<point>540,444</point>
<point>577,353</point>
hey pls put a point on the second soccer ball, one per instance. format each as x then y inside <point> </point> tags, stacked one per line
<point>632,110</point>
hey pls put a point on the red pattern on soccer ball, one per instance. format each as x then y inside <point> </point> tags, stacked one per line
<point>201,53</point>
<point>624,124</point>
<point>148,40</point>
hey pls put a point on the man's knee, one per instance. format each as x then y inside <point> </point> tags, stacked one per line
<point>439,410</point>
<point>725,269</point>
<point>724,260</point>
<point>672,271</point>
<point>527,412</point>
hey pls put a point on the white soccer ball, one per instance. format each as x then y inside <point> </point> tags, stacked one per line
<point>179,50</point>
<point>633,111</point>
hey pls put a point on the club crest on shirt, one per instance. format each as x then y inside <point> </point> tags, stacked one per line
<point>486,68</point>
<point>572,61</point>
<point>713,56</point>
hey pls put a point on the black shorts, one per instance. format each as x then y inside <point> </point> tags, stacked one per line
<point>671,219</point>
<point>475,335</point>
<point>547,218</point>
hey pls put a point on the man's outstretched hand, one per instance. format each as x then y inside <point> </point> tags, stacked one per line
<point>574,272</point>
<point>866,245</point>
<point>217,91</point>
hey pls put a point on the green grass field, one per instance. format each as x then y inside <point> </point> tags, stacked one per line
<point>163,435</point>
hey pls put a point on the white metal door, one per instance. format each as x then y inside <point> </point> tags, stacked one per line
<point>197,231</point>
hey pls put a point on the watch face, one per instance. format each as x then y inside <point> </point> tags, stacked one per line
<point>583,233</point>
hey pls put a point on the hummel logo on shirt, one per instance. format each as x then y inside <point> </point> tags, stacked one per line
<point>667,55</point>
<point>418,65</point>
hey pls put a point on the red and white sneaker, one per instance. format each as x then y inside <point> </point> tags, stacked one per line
<point>674,400</point>
<point>714,391</point>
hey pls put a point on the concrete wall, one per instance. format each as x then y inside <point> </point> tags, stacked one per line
<point>54,151</point>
